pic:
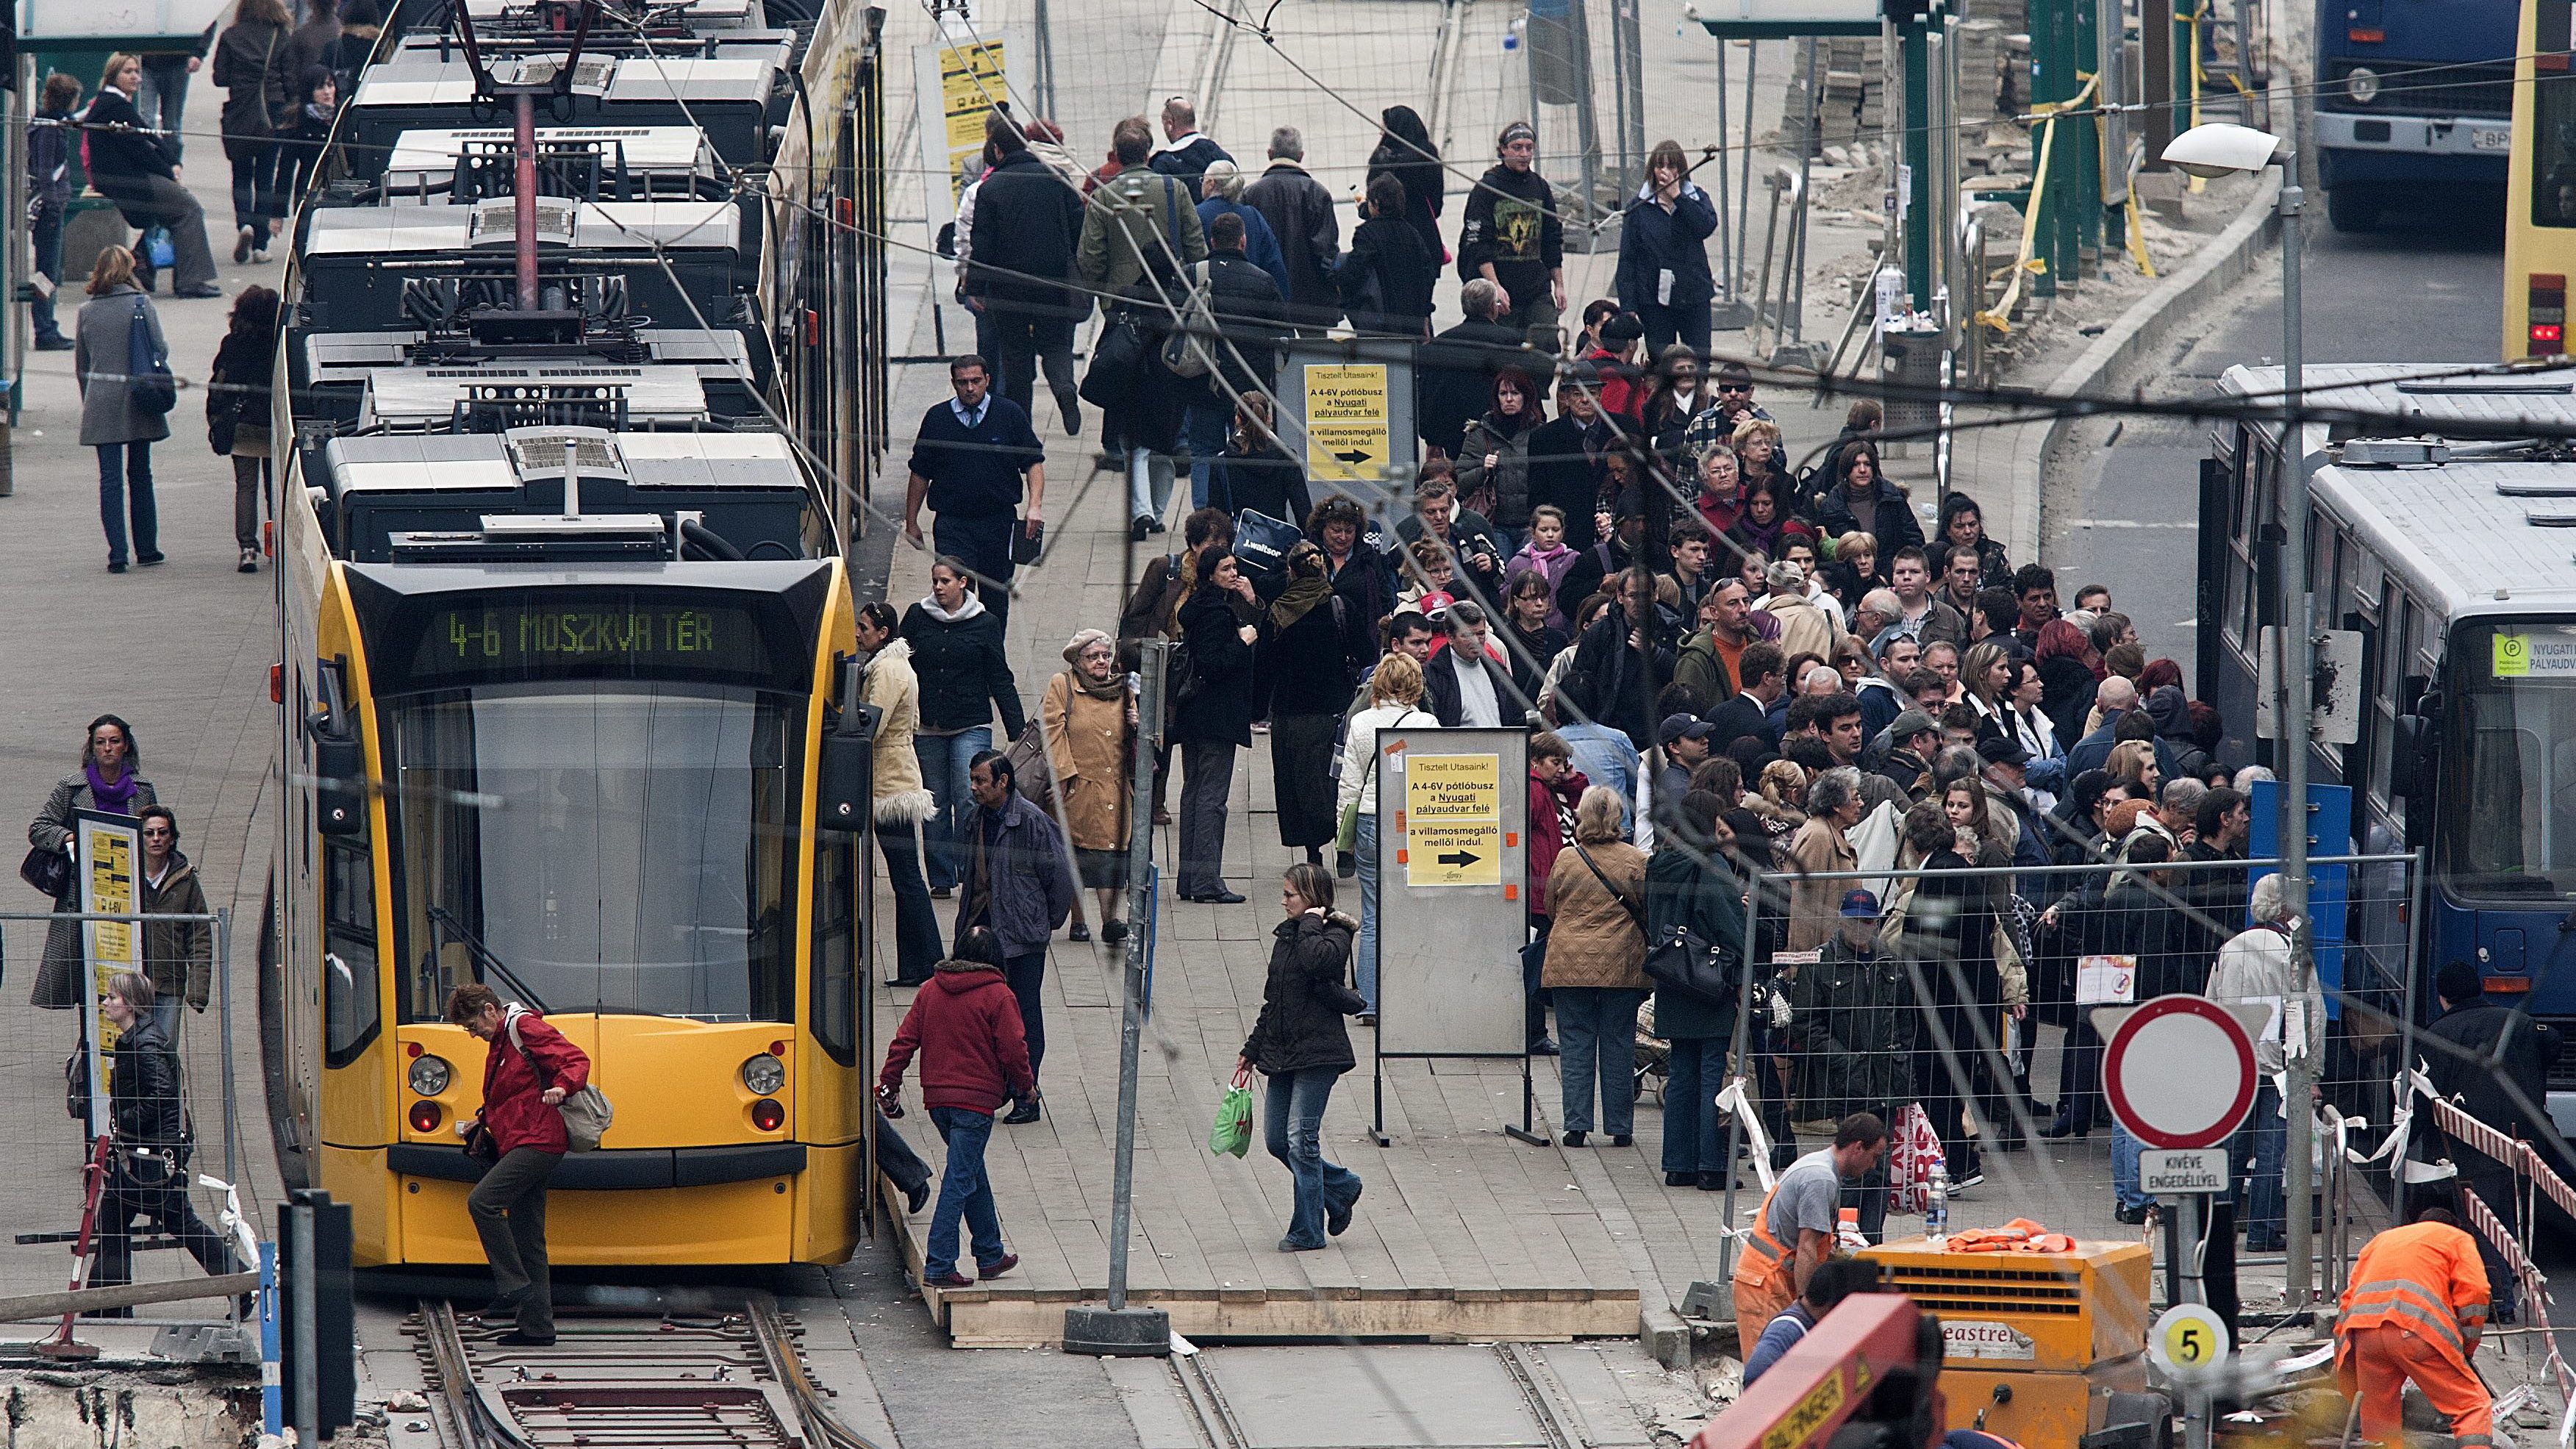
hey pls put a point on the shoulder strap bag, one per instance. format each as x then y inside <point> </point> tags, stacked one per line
<point>586,1113</point>
<point>149,387</point>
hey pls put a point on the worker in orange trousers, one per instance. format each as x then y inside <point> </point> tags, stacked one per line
<point>2415,1309</point>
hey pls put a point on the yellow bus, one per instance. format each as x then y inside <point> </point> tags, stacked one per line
<point>2540,188</point>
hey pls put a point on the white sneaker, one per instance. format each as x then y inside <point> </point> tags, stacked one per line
<point>249,561</point>
<point>259,256</point>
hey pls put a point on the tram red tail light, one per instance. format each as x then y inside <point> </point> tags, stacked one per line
<point>2545,314</point>
<point>425,1116</point>
<point>767,1115</point>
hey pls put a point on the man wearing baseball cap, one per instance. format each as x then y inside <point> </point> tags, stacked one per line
<point>2003,767</point>
<point>1681,742</point>
<point>1853,1023</point>
<point>1913,738</point>
<point>1512,238</point>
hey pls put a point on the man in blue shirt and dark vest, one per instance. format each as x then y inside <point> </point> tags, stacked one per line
<point>968,462</point>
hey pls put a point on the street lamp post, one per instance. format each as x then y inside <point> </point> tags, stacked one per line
<point>2216,150</point>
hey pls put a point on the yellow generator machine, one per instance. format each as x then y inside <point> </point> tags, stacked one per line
<point>2042,1348</point>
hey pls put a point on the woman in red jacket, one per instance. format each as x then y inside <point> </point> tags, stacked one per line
<point>521,1091</point>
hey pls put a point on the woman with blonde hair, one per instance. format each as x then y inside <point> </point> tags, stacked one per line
<point>122,429</point>
<point>1088,716</point>
<point>139,170</point>
<point>1596,967</point>
<point>1757,455</point>
<point>2134,762</point>
<point>1394,702</point>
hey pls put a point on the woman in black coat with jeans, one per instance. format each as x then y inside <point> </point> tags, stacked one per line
<point>957,654</point>
<point>1301,1045</point>
<point>1214,717</point>
<point>1687,886</point>
<point>1312,646</point>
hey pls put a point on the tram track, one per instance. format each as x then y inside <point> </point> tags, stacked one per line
<point>699,1371</point>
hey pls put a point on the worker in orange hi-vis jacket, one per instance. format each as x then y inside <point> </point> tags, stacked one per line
<point>2415,1309</point>
<point>1793,1230</point>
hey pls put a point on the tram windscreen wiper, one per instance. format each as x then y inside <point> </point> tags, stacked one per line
<point>442,919</point>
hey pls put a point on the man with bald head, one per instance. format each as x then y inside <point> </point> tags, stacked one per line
<point>2115,698</point>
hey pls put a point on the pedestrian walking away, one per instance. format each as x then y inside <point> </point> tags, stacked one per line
<point>237,413</point>
<point>1299,1043</point>
<point>966,1028</point>
<point>254,63</point>
<point>1595,970</point>
<point>1404,152</point>
<point>114,419</point>
<point>1691,897</point>
<point>973,460</point>
<point>1300,212</point>
<point>1018,885</point>
<point>1021,274</point>
<point>903,804</point>
<point>528,1070</point>
<point>109,780</point>
<point>147,1174</point>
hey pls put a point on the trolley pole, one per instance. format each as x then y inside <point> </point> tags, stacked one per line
<point>2298,635</point>
<point>1119,1331</point>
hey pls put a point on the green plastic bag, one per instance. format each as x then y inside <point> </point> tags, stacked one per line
<point>1231,1134</point>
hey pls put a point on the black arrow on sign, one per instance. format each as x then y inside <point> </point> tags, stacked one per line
<point>1460,858</point>
<point>1354,457</point>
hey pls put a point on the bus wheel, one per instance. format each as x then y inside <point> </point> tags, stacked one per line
<point>2352,209</point>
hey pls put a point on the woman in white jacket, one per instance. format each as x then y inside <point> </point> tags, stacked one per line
<point>1395,696</point>
<point>903,802</point>
<point>2254,969</point>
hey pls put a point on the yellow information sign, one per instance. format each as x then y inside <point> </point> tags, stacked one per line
<point>970,81</point>
<point>1453,820</point>
<point>1349,434</point>
<point>111,871</point>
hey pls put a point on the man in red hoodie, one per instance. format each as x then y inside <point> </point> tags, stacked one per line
<point>974,1057</point>
<point>528,1069</point>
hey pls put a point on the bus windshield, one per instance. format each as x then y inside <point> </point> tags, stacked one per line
<point>2553,142</point>
<point>2509,799</point>
<point>619,846</point>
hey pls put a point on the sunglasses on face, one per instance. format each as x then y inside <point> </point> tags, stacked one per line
<point>1742,387</point>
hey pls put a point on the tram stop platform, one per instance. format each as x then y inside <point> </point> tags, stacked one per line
<point>1462,1233</point>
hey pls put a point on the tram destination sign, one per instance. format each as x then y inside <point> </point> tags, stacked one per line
<point>589,634</point>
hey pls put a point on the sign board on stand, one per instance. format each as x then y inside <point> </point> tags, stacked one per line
<point>1346,406</point>
<point>957,79</point>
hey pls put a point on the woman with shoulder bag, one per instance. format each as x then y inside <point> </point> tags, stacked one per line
<point>1394,702</point>
<point>1089,719</point>
<point>237,411</point>
<point>1214,719</point>
<point>1301,1045</point>
<point>108,780</point>
<point>1691,893</point>
<point>115,418</point>
<point>148,1166</point>
<point>1595,969</point>
<point>1303,680</point>
<point>1139,398</point>
<point>253,63</point>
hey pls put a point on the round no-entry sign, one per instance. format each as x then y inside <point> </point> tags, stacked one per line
<point>2179,1072</point>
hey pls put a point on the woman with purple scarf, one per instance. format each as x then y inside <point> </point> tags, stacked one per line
<point>109,780</point>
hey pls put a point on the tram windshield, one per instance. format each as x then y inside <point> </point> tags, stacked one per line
<point>2510,802</point>
<point>621,846</point>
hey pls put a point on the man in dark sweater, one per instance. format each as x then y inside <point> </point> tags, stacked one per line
<point>968,462</point>
<point>1512,237</point>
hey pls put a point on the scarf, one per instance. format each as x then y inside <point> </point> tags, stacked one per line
<point>965,611</point>
<point>1115,687</point>
<point>114,799</point>
<point>1294,602</point>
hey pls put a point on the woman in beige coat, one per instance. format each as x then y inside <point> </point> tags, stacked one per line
<point>902,801</point>
<point>1596,967</point>
<point>1822,846</point>
<point>1089,719</point>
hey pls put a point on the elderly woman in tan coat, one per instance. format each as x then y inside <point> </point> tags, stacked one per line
<point>1823,846</point>
<point>1596,967</point>
<point>902,802</point>
<point>1089,717</point>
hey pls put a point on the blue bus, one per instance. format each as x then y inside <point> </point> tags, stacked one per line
<point>2414,105</point>
<point>2453,563</point>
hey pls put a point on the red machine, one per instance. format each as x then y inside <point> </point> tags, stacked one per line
<point>1867,1377</point>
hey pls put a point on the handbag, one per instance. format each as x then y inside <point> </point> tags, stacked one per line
<point>76,1086</point>
<point>586,1113</point>
<point>48,871</point>
<point>1032,769</point>
<point>1681,961</point>
<point>158,248</point>
<point>1230,1135</point>
<point>1116,355</point>
<point>149,387</point>
<point>479,1144</point>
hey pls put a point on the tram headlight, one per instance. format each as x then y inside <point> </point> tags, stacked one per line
<point>429,1075</point>
<point>764,1074</point>
<point>2362,84</point>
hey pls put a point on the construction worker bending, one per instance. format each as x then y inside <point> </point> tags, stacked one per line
<point>1793,1232</point>
<point>2415,1309</point>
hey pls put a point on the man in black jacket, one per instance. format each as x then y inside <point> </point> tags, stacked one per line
<point>1454,371</point>
<point>1250,314</point>
<point>1463,685</point>
<point>1512,238</point>
<point>1561,454</point>
<point>1186,152</point>
<point>1300,213</point>
<point>1624,660</point>
<point>1027,221</point>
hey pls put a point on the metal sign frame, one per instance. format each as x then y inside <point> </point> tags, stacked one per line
<point>1452,863</point>
<point>1372,481</point>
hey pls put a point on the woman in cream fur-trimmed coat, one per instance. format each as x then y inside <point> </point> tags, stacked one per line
<point>903,802</point>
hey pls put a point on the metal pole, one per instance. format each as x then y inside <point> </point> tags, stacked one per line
<point>2298,619</point>
<point>1735,1063</point>
<point>1795,323</point>
<point>1140,913</point>
<point>2110,52</point>
<point>224,1022</point>
<point>1727,263</point>
<point>1744,177</point>
<point>2415,936</point>
<point>307,1387</point>
<point>1046,60</point>
<point>1587,119</point>
<point>524,205</point>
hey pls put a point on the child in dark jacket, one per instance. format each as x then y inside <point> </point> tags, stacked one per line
<point>974,1056</point>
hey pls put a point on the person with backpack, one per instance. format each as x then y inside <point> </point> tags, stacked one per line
<point>528,1071</point>
<point>253,64</point>
<point>117,418</point>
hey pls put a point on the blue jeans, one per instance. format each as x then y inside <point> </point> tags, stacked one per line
<point>48,231</point>
<point>1293,1125</point>
<point>163,97</point>
<point>2124,1168</point>
<point>1692,1141</point>
<point>916,926</point>
<point>1364,953</point>
<point>2266,1135</point>
<point>963,1191</point>
<point>1596,1029</point>
<point>944,761</point>
<point>125,481</point>
<point>165,1010</point>
<point>1203,428</point>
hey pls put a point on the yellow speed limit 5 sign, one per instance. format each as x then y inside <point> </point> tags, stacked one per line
<point>2188,1338</point>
